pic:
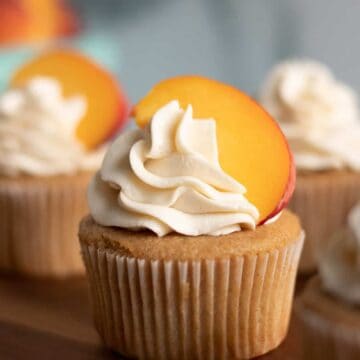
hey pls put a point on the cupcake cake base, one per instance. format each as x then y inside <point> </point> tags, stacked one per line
<point>204,297</point>
<point>331,328</point>
<point>323,200</point>
<point>39,224</point>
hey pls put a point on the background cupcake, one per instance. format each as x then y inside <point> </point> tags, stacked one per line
<point>26,26</point>
<point>320,118</point>
<point>178,263</point>
<point>329,308</point>
<point>46,160</point>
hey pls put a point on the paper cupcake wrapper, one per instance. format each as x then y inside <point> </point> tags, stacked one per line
<point>323,207</point>
<point>208,309</point>
<point>322,339</point>
<point>39,224</point>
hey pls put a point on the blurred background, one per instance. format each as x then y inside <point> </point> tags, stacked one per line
<point>237,41</point>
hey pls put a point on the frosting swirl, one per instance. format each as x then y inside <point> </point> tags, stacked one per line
<point>340,265</point>
<point>318,114</point>
<point>167,178</point>
<point>37,131</point>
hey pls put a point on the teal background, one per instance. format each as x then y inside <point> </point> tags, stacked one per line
<point>237,41</point>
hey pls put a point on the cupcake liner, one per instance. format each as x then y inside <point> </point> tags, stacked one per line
<point>39,222</point>
<point>197,309</point>
<point>324,339</point>
<point>323,202</point>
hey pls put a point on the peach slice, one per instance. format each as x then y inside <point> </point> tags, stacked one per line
<point>14,22</point>
<point>68,22</point>
<point>26,21</point>
<point>49,19</point>
<point>107,107</point>
<point>252,147</point>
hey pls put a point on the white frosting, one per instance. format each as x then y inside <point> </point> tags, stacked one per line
<point>273,219</point>
<point>167,178</point>
<point>340,264</point>
<point>318,114</point>
<point>37,131</point>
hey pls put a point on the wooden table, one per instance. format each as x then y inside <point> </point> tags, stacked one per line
<point>46,319</point>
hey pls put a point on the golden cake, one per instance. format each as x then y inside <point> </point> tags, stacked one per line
<point>329,308</point>
<point>161,297</point>
<point>322,200</point>
<point>39,222</point>
<point>330,327</point>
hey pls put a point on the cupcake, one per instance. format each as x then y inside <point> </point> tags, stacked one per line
<point>46,162</point>
<point>320,118</point>
<point>329,309</point>
<point>183,259</point>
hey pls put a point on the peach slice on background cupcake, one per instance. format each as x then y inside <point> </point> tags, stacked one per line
<point>27,21</point>
<point>258,157</point>
<point>107,105</point>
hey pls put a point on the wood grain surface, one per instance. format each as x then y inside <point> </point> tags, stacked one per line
<point>47,319</point>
